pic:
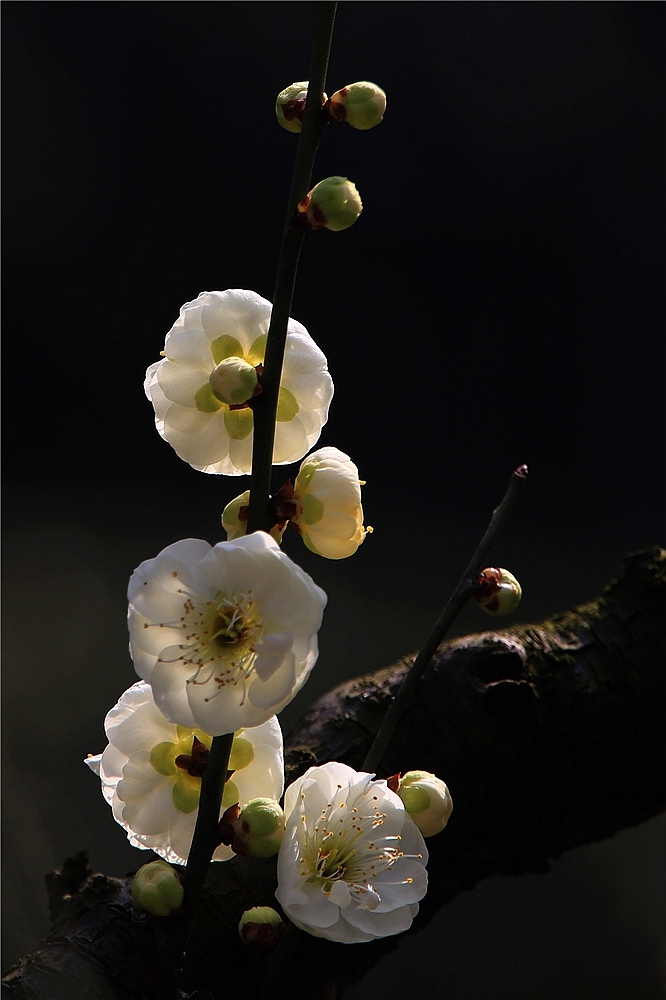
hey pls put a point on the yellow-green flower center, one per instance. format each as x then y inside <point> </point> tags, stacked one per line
<point>178,761</point>
<point>342,845</point>
<point>219,637</point>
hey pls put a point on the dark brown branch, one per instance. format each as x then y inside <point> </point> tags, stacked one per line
<point>546,734</point>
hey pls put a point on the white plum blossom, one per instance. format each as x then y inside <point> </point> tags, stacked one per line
<point>352,863</point>
<point>323,505</point>
<point>226,635</point>
<point>329,515</point>
<point>151,773</point>
<point>203,388</point>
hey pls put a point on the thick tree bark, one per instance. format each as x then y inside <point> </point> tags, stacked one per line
<point>547,736</point>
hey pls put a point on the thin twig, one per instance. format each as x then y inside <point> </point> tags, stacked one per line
<point>454,605</point>
<point>265,405</point>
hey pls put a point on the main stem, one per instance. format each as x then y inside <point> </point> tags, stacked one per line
<point>206,838</point>
<point>265,405</point>
<point>463,591</point>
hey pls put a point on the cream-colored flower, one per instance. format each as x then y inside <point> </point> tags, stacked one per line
<point>323,505</point>
<point>225,635</point>
<point>202,390</point>
<point>151,773</point>
<point>327,494</point>
<point>352,863</point>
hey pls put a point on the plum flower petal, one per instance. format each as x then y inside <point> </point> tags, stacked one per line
<point>352,863</point>
<point>151,773</point>
<point>225,635</point>
<point>215,347</point>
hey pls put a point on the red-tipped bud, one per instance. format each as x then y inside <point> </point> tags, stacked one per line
<point>290,105</point>
<point>499,591</point>
<point>361,105</point>
<point>333,203</point>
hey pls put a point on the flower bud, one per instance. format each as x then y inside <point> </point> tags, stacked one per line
<point>157,889</point>
<point>290,105</point>
<point>427,800</point>
<point>234,519</point>
<point>499,591</point>
<point>234,381</point>
<point>234,516</point>
<point>327,498</point>
<point>361,104</point>
<point>333,203</point>
<point>262,925</point>
<point>260,827</point>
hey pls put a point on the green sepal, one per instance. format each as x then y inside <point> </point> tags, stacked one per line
<point>226,347</point>
<point>206,401</point>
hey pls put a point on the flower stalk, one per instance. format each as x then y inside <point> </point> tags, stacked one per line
<point>205,838</point>
<point>265,405</point>
<point>463,591</point>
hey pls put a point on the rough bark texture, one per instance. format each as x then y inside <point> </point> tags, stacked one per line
<point>547,736</point>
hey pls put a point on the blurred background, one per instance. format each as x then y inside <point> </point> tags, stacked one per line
<point>511,245</point>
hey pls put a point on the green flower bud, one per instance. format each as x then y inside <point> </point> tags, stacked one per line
<point>361,104</point>
<point>260,827</point>
<point>234,516</point>
<point>499,591</point>
<point>427,800</point>
<point>333,203</point>
<point>290,105</point>
<point>233,381</point>
<point>157,889</point>
<point>261,925</point>
<point>234,519</point>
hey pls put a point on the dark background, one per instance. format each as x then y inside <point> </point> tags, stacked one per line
<point>499,301</point>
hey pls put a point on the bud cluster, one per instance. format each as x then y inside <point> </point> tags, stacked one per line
<point>361,105</point>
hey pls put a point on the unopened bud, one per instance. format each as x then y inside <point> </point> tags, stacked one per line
<point>260,827</point>
<point>234,516</point>
<point>290,105</point>
<point>499,591</point>
<point>427,800</point>
<point>157,889</point>
<point>327,499</point>
<point>333,203</point>
<point>234,381</point>
<point>361,104</point>
<point>262,925</point>
<point>234,519</point>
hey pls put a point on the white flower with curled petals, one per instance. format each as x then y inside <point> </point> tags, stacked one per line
<point>151,773</point>
<point>203,388</point>
<point>225,635</point>
<point>352,863</point>
<point>327,494</point>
